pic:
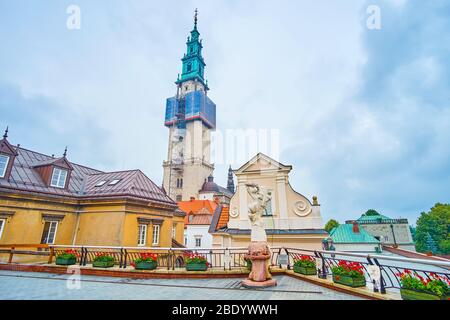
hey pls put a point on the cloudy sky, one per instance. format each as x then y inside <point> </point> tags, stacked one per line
<point>363,114</point>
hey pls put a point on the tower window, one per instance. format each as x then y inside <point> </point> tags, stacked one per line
<point>192,49</point>
<point>58,178</point>
<point>189,67</point>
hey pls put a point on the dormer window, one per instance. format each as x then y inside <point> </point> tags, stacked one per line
<point>59,177</point>
<point>114,182</point>
<point>100,183</point>
<point>4,160</point>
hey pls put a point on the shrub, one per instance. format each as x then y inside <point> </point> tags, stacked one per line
<point>348,268</point>
<point>191,258</point>
<point>68,254</point>
<point>103,257</point>
<point>305,262</point>
<point>436,285</point>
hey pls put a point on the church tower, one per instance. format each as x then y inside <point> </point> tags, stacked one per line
<point>190,117</point>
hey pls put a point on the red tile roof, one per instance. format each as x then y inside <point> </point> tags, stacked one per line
<point>223,218</point>
<point>196,206</point>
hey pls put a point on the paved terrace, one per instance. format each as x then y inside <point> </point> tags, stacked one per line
<point>16,285</point>
<point>45,280</point>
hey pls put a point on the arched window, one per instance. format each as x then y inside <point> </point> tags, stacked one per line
<point>189,67</point>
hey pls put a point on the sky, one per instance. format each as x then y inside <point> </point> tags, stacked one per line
<point>363,114</point>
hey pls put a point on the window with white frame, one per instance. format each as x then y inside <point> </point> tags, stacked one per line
<point>49,233</point>
<point>386,238</point>
<point>100,183</point>
<point>156,228</point>
<point>174,231</point>
<point>142,235</point>
<point>3,165</point>
<point>114,182</point>
<point>59,177</point>
<point>2,225</point>
<point>198,242</point>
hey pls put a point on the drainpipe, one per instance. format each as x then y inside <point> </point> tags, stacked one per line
<point>74,239</point>
<point>393,235</point>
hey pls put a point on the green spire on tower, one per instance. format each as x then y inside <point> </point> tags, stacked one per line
<point>193,63</point>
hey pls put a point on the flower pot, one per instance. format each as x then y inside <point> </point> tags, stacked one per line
<point>65,261</point>
<point>305,271</point>
<point>146,265</point>
<point>103,264</point>
<point>196,267</point>
<point>408,294</point>
<point>349,281</point>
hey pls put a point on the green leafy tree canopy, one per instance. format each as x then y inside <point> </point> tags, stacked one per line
<point>371,212</point>
<point>331,224</point>
<point>434,224</point>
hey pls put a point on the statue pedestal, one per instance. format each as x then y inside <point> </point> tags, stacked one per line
<point>260,277</point>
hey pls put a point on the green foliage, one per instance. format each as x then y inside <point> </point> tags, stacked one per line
<point>436,285</point>
<point>413,232</point>
<point>103,257</point>
<point>331,224</point>
<point>430,244</point>
<point>305,262</point>
<point>371,212</point>
<point>436,224</point>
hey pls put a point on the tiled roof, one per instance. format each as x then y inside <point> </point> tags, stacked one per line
<point>201,219</point>
<point>196,206</point>
<point>344,234</point>
<point>24,177</point>
<point>223,218</point>
<point>131,183</point>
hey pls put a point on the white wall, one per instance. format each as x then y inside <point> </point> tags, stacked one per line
<point>355,247</point>
<point>193,231</point>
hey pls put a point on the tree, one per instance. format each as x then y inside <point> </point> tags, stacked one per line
<point>331,224</point>
<point>371,212</point>
<point>413,232</point>
<point>436,224</point>
<point>430,244</point>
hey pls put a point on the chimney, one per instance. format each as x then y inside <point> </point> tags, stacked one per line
<point>355,227</point>
<point>192,198</point>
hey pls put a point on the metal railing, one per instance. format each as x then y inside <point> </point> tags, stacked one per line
<point>390,267</point>
<point>169,258</point>
<point>234,258</point>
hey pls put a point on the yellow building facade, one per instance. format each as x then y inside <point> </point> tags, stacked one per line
<point>47,200</point>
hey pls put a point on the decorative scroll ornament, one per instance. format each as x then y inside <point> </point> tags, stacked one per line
<point>234,213</point>
<point>301,208</point>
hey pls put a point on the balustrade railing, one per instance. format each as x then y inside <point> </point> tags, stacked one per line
<point>234,258</point>
<point>390,267</point>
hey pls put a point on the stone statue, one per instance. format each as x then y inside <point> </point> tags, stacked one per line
<point>258,250</point>
<point>256,209</point>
